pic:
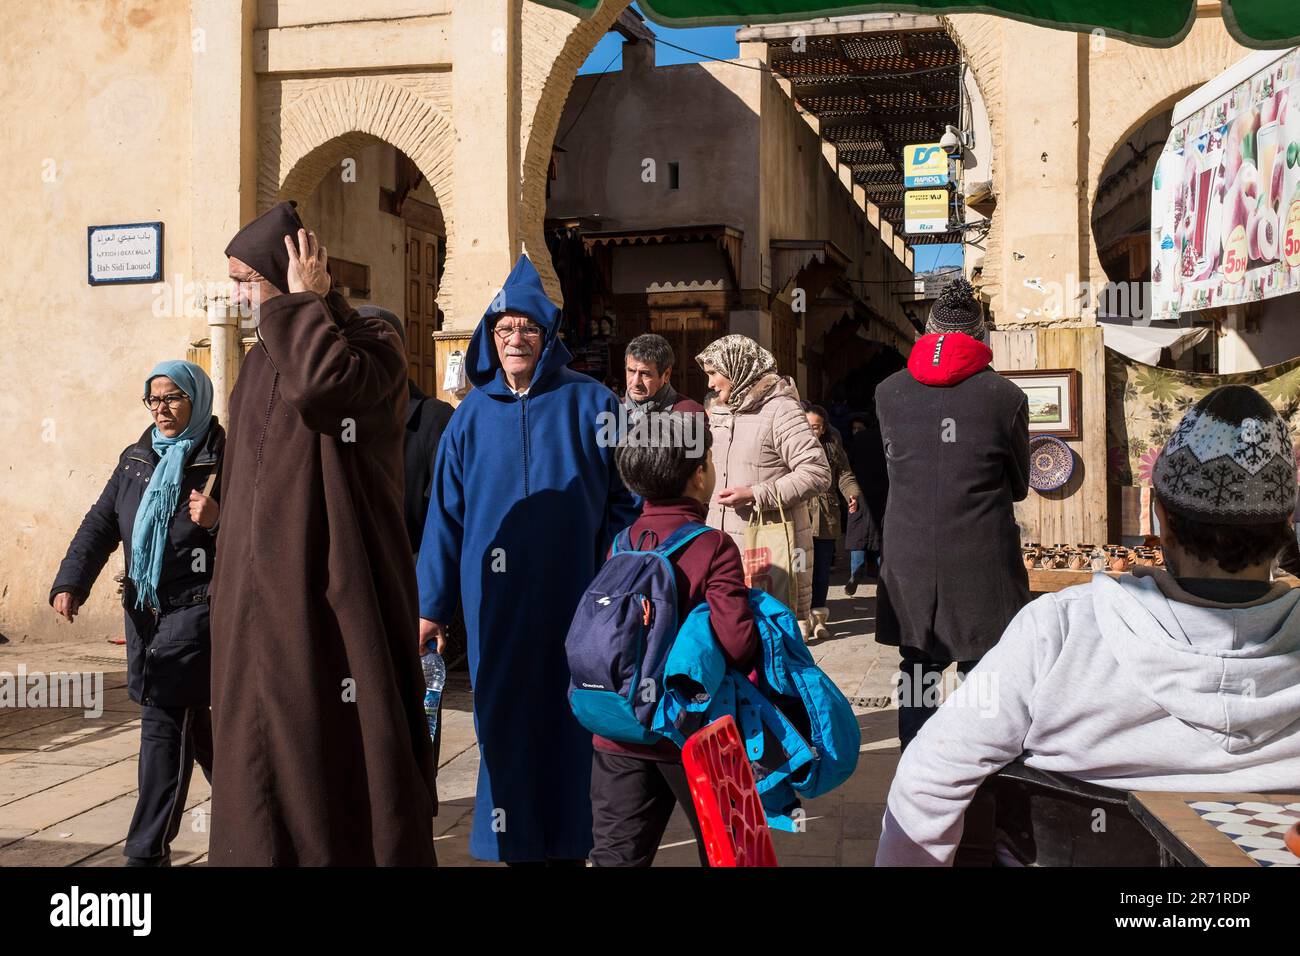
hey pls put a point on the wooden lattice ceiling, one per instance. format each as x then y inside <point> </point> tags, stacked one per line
<point>871,100</point>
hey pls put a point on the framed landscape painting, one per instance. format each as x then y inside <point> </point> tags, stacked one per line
<point>1053,400</point>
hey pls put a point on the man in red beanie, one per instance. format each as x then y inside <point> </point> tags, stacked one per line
<point>956,437</point>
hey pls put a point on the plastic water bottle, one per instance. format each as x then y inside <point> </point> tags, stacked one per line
<point>435,676</point>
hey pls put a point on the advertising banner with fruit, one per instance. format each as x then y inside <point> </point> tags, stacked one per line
<point>1225,207</point>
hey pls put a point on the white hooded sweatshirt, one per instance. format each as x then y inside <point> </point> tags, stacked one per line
<point>1129,683</point>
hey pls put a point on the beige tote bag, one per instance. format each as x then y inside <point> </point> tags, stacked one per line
<point>769,557</point>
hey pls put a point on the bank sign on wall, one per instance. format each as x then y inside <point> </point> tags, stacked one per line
<point>1225,207</point>
<point>924,164</point>
<point>925,210</point>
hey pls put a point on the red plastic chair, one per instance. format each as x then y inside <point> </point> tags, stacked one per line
<point>732,821</point>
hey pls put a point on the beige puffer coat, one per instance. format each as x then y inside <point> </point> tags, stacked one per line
<point>769,446</point>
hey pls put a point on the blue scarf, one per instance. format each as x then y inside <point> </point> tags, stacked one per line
<point>153,519</point>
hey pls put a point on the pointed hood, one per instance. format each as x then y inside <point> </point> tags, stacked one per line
<point>946,359</point>
<point>522,293</point>
<point>1230,672</point>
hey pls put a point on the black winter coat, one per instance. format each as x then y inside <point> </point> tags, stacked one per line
<point>426,420</point>
<point>168,655</point>
<point>867,459</point>
<point>952,576</point>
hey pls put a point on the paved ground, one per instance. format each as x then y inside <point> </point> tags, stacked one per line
<point>68,782</point>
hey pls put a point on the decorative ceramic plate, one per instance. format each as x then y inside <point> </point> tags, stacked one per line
<point>1050,463</point>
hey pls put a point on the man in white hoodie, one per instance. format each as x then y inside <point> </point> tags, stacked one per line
<point>1179,679</point>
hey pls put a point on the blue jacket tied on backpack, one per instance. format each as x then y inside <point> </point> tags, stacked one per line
<point>800,731</point>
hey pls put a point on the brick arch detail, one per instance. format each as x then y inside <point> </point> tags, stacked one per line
<point>1158,78</point>
<point>316,132</point>
<point>555,44</point>
<point>1163,76</point>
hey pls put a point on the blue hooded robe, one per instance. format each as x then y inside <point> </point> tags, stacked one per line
<point>525,502</point>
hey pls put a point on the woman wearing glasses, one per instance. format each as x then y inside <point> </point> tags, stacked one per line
<point>157,503</point>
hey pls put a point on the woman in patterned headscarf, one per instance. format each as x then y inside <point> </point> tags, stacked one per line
<point>766,456</point>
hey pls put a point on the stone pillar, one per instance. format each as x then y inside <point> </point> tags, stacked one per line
<point>223,163</point>
<point>223,355</point>
<point>485,81</point>
<point>1044,255</point>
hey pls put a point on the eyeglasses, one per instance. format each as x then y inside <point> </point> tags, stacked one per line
<point>173,401</point>
<point>530,331</point>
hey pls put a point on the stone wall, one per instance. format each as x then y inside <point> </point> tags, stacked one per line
<point>309,126</point>
<point>97,122</point>
<point>1041,227</point>
<point>554,45</point>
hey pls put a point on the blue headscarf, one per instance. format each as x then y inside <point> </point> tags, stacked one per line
<point>154,517</point>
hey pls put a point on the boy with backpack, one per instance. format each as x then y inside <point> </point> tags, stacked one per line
<point>635,785</point>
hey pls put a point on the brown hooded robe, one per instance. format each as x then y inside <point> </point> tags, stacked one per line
<point>321,750</point>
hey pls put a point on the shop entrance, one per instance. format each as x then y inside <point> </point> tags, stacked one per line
<point>384,230</point>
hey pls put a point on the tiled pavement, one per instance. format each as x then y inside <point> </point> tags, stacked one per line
<point>68,782</point>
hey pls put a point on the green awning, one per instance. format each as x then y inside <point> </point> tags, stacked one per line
<point>1254,23</point>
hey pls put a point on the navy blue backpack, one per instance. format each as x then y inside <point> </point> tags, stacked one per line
<point>620,637</point>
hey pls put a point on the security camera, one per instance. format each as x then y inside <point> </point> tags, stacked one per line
<point>951,141</point>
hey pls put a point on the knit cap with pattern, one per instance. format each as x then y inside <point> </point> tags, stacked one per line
<point>956,310</point>
<point>1229,461</point>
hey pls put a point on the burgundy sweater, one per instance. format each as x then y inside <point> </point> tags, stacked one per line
<point>708,569</point>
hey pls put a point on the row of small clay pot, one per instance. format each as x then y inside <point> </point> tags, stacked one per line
<point>1118,558</point>
<point>1127,558</point>
<point>1049,560</point>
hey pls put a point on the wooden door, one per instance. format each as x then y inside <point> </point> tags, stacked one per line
<point>785,345</point>
<point>422,307</point>
<point>688,331</point>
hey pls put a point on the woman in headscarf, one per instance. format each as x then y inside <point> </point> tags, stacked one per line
<point>766,456</point>
<point>159,504</point>
<point>824,514</point>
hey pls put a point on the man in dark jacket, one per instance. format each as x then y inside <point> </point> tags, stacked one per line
<point>426,418</point>
<point>956,438</point>
<point>648,363</point>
